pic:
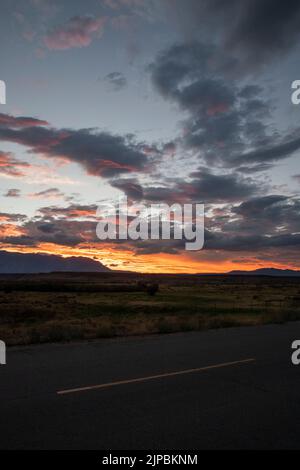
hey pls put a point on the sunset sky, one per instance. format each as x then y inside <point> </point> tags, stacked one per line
<point>160,100</point>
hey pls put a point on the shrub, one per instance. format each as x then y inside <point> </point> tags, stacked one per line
<point>152,289</point>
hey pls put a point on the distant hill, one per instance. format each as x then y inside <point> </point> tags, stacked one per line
<point>24,263</point>
<point>267,272</point>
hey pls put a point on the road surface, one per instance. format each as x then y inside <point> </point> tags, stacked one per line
<point>227,389</point>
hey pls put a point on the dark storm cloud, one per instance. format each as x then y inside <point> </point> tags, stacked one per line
<point>271,153</point>
<point>150,247</point>
<point>257,207</point>
<point>256,30</point>
<point>274,212</point>
<point>116,81</point>
<point>130,187</point>
<point>133,189</point>
<point>155,194</point>
<point>187,64</point>
<point>204,186</point>
<point>40,139</point>
<point>100,153</point>
<point>257,223</point>
<point>75,232</point>
<point>5,217</point>
<point>69,226</point>
<point>223,117</point>
<point>264,27</point>
<point>250,243</point>
<point>209,187</point>
<point>60,232</point>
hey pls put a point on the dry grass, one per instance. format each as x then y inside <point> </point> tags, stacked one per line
<point>117,306</point>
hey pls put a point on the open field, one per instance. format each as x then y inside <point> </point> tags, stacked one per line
<point>65,307</point>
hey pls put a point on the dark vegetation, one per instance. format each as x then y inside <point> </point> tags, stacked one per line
<point>64,307</point>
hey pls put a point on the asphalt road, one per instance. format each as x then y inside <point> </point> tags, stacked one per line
<point>225,389</point>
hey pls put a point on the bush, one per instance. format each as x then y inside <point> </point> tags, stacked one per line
<point>152,289</point>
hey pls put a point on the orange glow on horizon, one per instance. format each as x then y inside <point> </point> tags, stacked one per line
<point>125,260</point>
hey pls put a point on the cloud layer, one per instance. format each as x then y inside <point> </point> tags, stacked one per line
<point>99,153</point>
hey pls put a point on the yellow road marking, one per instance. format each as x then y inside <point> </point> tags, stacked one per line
<point>152,377</point>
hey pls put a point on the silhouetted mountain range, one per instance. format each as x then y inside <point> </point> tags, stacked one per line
<point>266,272</point>
<point>23,263</point>
<point>27,263</point>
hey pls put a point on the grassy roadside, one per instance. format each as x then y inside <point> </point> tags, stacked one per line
<point>119,308</point>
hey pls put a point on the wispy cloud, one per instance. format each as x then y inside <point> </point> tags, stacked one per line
<point>51,193</point>
<point>13,193</point>
<point>116,81</point>
<point>11,167</point>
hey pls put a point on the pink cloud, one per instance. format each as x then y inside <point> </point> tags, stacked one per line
<point>10,167</point>
<point>20,121</point>
<point>76,32</point>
